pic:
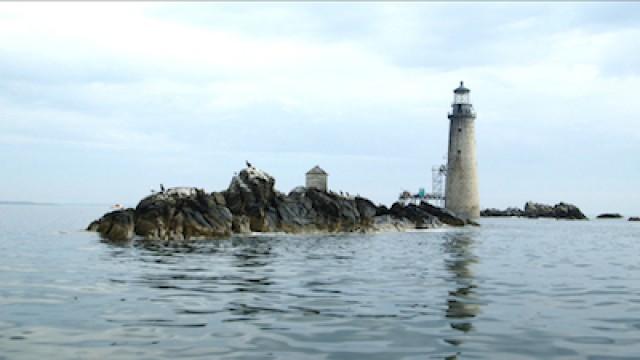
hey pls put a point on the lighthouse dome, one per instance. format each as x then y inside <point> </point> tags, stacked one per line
<point>461,89</point>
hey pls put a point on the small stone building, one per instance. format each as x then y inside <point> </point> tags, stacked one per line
<point>317,178</point>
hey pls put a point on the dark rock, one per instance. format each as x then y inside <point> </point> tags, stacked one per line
<point>413,213</point>
<point>95,224</point>
<point>390,223</point>
<point>317,210</point>
<point>182,213</point>
<point>568,211</point>
<point>252,194</point>
<point>366,209</point>
<point>425,215</point>
<point>240,224</point>
<point>536,210</point>
<point>609,216</point>
<point>634,218</point>
<point>219,198</point>
<point>296,214</point>
<point>511,211</point>
<point>444,215</point>
<point>250,191</point>
<point>491,212</point>
<point>382,210</point>
<point>115,226</point>
<point>559,211</point>
<point>471,222</point>
<point>252,204</point>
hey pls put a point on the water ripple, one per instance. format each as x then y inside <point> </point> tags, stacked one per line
<point>511,289</point>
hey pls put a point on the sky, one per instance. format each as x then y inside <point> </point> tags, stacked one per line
<point>101,102</point>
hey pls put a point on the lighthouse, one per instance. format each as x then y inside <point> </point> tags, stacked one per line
<point>461,192</point>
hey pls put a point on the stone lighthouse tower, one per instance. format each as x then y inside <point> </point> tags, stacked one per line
<point>461,192</point>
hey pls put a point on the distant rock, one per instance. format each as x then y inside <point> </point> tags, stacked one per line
<point>511,211</point>
<point>565,211</point>
<point>252,204</point>
<point>609,216</point>
<point>536,210</point>
<point>634,218</point>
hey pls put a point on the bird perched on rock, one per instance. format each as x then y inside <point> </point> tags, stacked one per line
<point>248,163</point>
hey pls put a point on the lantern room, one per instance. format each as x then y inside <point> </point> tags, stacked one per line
<point>461,94</point>
<point>461,106</point>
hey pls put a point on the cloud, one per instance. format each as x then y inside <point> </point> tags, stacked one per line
<point>215,82</point>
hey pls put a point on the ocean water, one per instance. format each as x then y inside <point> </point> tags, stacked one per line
<point>511,289</point>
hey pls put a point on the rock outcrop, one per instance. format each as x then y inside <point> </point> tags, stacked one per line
<point>558,211</point>
<point>508,212</point>
<point>634,218</point>
<point>252,204</point>
<point>609,216</point>
<point>536,210</point>
<point>116,226</point>
<point>182,213</point>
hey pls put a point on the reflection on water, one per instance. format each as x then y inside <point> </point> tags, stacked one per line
<point>250,264</point>
<point>462,306</point>
<point>510,289</point>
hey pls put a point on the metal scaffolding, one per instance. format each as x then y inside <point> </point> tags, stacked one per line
<point>438,181</point>
<point>435,197</point>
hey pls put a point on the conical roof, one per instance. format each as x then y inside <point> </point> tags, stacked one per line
<point>317,170</point>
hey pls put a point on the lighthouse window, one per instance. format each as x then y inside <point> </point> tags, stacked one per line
<point>458,152</point>
<point>459,129</point>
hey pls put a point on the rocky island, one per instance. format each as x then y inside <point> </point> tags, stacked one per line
<point>535,210</point>
<point>609,216</point>
<point>252,204</point>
